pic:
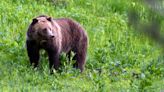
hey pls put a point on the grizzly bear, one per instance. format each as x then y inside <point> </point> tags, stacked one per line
<point>56,36</point>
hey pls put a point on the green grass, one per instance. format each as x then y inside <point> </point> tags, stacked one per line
<point>119,59</point>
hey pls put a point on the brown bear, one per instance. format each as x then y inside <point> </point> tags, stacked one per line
<point>56,36</point>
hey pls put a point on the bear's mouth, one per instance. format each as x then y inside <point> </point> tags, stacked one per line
<point>46,40</point>
<point>42,42</point>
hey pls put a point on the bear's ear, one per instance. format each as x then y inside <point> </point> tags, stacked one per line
<point>49,19</point>
<point>34,21</point>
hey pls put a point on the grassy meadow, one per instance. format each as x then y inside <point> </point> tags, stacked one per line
<point>119,58</point>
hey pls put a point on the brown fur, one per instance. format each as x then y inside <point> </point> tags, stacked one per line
<point>56,36</point>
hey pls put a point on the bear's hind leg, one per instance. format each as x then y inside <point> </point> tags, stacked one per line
<point>80,61</point>
<point>81,52</point>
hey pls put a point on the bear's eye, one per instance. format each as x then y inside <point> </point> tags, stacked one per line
<point>50,29</point>
<point>39,34</point>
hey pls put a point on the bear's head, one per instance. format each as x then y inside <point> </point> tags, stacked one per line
<point>42,28</point>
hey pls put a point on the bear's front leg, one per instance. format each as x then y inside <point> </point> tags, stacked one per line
<point>54,62</point>
<point>33,52</point>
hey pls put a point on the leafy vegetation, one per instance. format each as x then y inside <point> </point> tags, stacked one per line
<point>118,59</point>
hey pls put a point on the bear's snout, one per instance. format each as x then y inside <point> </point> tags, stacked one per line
<point>50,34</point>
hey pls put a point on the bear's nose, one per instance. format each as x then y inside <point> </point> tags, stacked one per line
<point>52,36</point>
